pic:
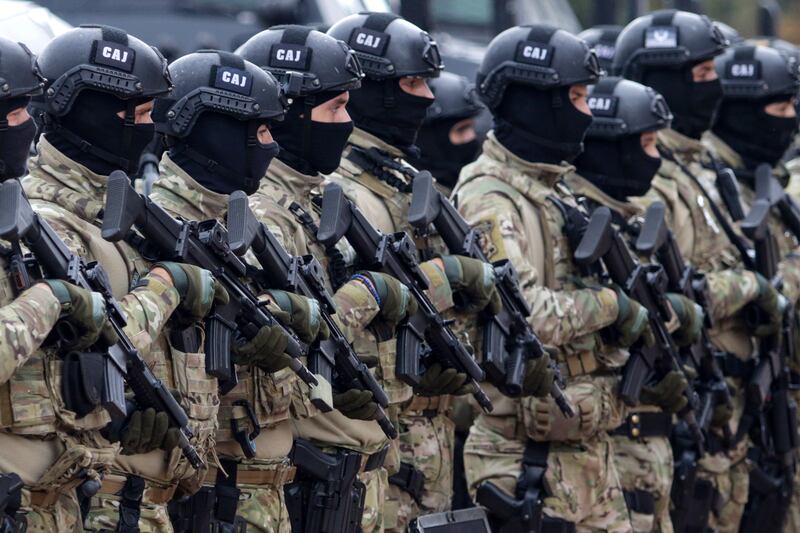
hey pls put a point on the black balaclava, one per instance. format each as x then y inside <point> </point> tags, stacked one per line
<point>754,134</point>
<point>15,141</point>
<point>441,157</point>
<point>93,119</point>
<point>386,111</point>
<point>541,126</point>
<point>223,154</point>
<point>309,146</point>
<point>692,103</point>
<point>618,167</point>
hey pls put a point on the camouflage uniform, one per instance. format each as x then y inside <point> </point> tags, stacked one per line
<point>703,243</point>
<point>261,478</point>
<point>426,433</point>
<point>788,270</point>
<point>506,198</point>
<point>644,464</point>
<point>71,197</point>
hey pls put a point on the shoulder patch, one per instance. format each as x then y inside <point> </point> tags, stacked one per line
<point>490,238</point>
<point>290,56</point>
<point>603,106</point>
<point>232,79</point>
<point>113,55</point>
<point>743,70</point>
<point>534,53</point>
<point>661,37</point>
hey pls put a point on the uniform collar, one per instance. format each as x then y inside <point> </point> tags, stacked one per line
<point>176,182</point>
<point>548,173</point>
<point>682,146</point>
<point>365,140</point>
<point>580,186</point>
<point>723,151</point>
<point>298,184</point>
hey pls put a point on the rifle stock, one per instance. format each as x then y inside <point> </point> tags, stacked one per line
<point>423,337</point>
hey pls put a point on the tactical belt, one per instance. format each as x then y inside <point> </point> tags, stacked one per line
<point>275,477</point>
<point>375,461</point>
<point>644,425</point>
<point>733,367</point>
<point>640,501</point>
<point>410,480</point>
<point>427,406</point>
<point>113,485</point>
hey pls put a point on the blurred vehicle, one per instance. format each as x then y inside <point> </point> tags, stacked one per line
<point>29,23</point>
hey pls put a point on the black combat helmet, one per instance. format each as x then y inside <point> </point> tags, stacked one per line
<point>730,33</point>
<point>603,40</point>
<point>313,68</point>
<point>103,59</point>
<point>389,46</point>
<point>211,120</point>
<point>754,77</point>
<point>19,80</point>
<point>613,157</point>
<point>216,82</point>
<point>303,60</point>
<point>539,56</point>
<point>455,97</point>
<point>666,38</point>
<point>622,107</point>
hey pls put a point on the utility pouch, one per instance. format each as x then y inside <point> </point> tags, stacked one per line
<point>83,381</point>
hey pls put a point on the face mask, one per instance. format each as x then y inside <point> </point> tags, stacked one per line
<point>385,110</point>
<point>541,126</point>
<point>221,153</point>
<point>312,146</point>
<point>754,134</point>
<point>439,156</point>
<point>692,103</point>
<point>15,144</point>
<point>93,118</point>
<point>619,167</point>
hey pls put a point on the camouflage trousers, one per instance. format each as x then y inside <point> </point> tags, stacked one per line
<point>104,515</point>
<point>427,444</point>
<point>581,481</point>
<point>63,515</point>
<point>647,465</point>
<point>730,474</point>
<point>375,482</point>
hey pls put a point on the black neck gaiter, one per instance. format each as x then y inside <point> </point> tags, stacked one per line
<point>386,111</point>
<point>93,118</point>
<point>692,103</point>
<point>15,141</point>
<point>618,167</point>
<point>223,154</point>
<point>309,146</point>
<point>540,126</point>
<point>754,134</point>
<point>441,157</point>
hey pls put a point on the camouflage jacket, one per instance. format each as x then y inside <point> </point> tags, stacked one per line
<point>270,395</point>
<point>701,238</point>
<point>510,201</point>
<point>789,267</point>
<point>71,198</point>
<point>355,306</point>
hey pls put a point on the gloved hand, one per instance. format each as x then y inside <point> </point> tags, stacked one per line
<point>198,290</point>
<point>355,404</point>
<point>771,305</point>
<point>690,315</point>
<point>395,299</point>
<point>667,393</point>
<point>301,314</point>
<point>86,310</point>
<point>265,350</point>
<point>632,321</point>
<point>436,381</point>
<point>148,430</point>
<point>539,377</point>
<point>721,415</point>
<point>475,280</point>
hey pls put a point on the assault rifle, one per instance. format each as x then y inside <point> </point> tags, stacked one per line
<point>203,244</point>
<point>508,339</point>
<point>423,338</point>
<point>692,497</point>
<point>768,188</point>
<point>768,401</point>
<point>122,363</point>
<point>303,275</point>
<point>602,245</point>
